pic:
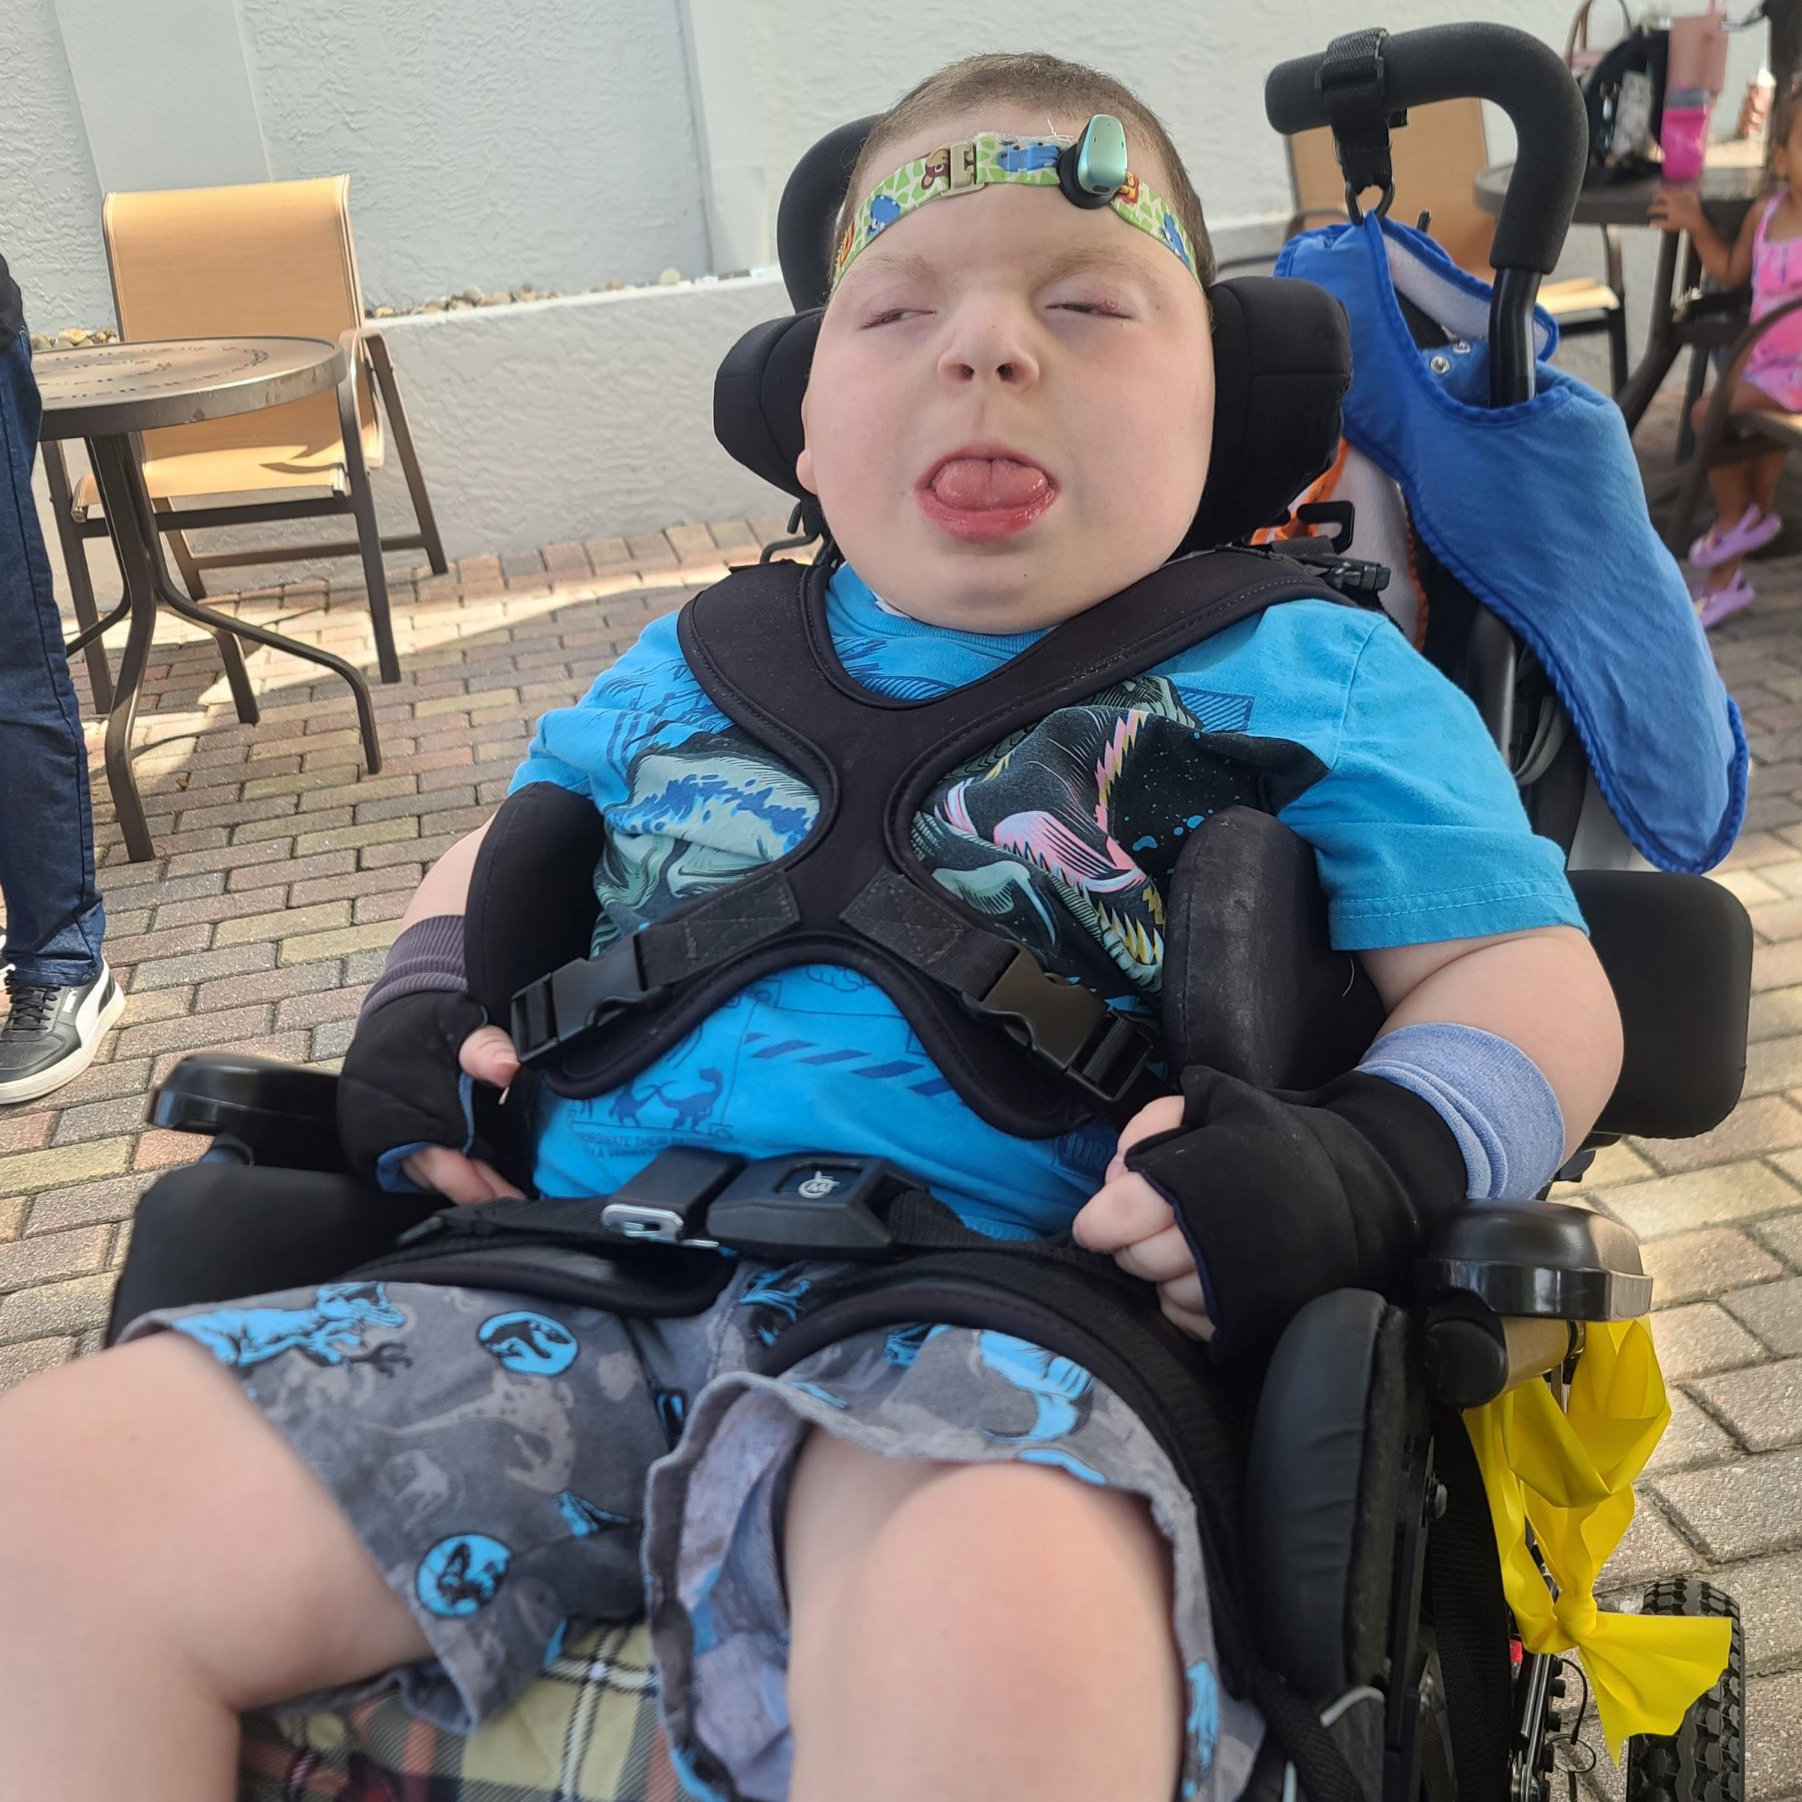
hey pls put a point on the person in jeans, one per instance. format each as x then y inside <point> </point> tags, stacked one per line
<point>63,996</point>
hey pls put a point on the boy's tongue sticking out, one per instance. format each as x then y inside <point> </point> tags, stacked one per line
<point>984,497</point>
<point>983,482</point>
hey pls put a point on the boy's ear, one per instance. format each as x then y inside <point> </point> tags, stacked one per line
<point>804,462</point>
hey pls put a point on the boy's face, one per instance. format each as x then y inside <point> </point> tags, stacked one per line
<point>1012,400</point>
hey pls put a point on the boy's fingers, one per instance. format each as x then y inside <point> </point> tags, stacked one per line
<point>1197,1326</point>
<point>455,1177</point>
<point>1120,1213</point>
<point>1160,1259</point>
<point>1185,1291</point>
<point>499,1188</point>
<point>443,1171</point>
<point>1160,1116</point>
<point>488,1055</point>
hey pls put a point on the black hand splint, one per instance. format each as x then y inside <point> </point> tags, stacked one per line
<point>853,892</point>
<point>401,1083</point>
<point>1286,1197</point>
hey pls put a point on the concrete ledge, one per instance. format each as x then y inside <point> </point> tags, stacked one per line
<point>563,419</point>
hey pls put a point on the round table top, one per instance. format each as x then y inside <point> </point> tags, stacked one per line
<point>1732,178</point>
<point>97,390</point>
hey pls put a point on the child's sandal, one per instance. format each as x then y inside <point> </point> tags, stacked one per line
<point>1716,604</point>
<point>1753,530</point>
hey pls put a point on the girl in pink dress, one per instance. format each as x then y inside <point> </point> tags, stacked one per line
<point>1769,251</point>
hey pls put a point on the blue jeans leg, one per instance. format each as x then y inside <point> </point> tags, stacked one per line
<point>54,917</point>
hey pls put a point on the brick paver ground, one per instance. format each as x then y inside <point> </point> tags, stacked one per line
<point>283,865</point>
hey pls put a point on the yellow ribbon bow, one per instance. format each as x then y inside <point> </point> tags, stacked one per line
<point>1569,1473</point>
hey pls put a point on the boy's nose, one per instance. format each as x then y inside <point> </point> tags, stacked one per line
<point>988,347</point>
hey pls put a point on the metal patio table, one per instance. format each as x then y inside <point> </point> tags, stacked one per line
<point>1732,178</point>
<point>107,394</point>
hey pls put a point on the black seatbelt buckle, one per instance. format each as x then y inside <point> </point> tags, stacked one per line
<point>808,1205</point>
<point>1068,1026</point>
<point>666,1202</point>
<point>579,998</point>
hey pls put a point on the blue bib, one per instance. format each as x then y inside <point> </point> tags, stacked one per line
<point>1538,510</point>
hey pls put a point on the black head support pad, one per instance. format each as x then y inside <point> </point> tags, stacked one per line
<point>1282,363</point>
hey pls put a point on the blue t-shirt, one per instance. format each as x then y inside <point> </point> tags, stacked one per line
<point>1063,835</point>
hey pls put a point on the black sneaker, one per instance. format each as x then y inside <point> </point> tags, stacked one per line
<point>52,1033</point>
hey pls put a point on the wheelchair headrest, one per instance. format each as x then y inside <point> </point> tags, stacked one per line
<point>1282,363</point>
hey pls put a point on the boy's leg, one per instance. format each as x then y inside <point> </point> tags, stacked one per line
<point>983,1631</point>
<point>166,1561</point>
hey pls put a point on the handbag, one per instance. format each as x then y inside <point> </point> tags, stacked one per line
<point>1623,96</point>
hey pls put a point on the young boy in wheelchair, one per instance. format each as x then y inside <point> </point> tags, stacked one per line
<point>865,1577</point>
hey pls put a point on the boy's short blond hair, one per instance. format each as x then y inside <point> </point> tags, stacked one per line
<point>1032,78</point>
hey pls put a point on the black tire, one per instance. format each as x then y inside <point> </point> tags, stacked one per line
<point>1705,1759</point>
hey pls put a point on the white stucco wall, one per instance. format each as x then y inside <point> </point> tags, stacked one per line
<point>1200,65</point>
<point>489,145</point>
<point>49,198</point>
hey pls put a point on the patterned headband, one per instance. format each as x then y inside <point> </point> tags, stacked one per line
<point>1092,172</point>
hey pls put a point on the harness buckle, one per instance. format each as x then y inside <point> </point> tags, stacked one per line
<point>580,997</point>
<point>1068,1026</point>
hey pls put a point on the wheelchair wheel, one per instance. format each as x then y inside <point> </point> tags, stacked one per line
<point>1705,1759</point>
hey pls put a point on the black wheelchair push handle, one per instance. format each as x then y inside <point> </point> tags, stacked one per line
<point>1493,62</point>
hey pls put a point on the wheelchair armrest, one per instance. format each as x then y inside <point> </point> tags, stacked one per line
<point>1499,1274</point>
<point>281,1114</point>
<point>1541,1258</point>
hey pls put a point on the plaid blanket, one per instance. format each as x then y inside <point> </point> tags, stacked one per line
<point>586,1731</point>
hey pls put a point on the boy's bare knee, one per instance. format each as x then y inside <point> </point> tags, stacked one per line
<point>146,1494</point>
<point>993,1598</point>
<point>854,1515</point>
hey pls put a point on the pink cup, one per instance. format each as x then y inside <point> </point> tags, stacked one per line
<point>1684,137</point>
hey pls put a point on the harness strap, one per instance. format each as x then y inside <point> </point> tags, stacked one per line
<point>852,892</point>
<point>1062,1023</point>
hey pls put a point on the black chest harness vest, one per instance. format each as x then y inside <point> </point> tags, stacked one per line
<point>853,892</point>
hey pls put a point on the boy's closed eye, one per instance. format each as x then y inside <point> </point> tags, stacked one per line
<point>1099,306</point>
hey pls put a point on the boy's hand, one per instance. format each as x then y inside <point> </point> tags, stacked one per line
<point>488,1056</point>
<point>1128,1217</point>
<point>406,1112</point>
<point>1676,209</point>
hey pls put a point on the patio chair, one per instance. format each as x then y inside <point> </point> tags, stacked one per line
<point>268,258</point>
<point>1437,161</point>
<point>1728,436</point>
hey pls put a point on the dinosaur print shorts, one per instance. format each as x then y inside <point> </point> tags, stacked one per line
<point>517,1467</point>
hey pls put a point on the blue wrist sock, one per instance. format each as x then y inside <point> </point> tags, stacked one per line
<point>1495,1099</point>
